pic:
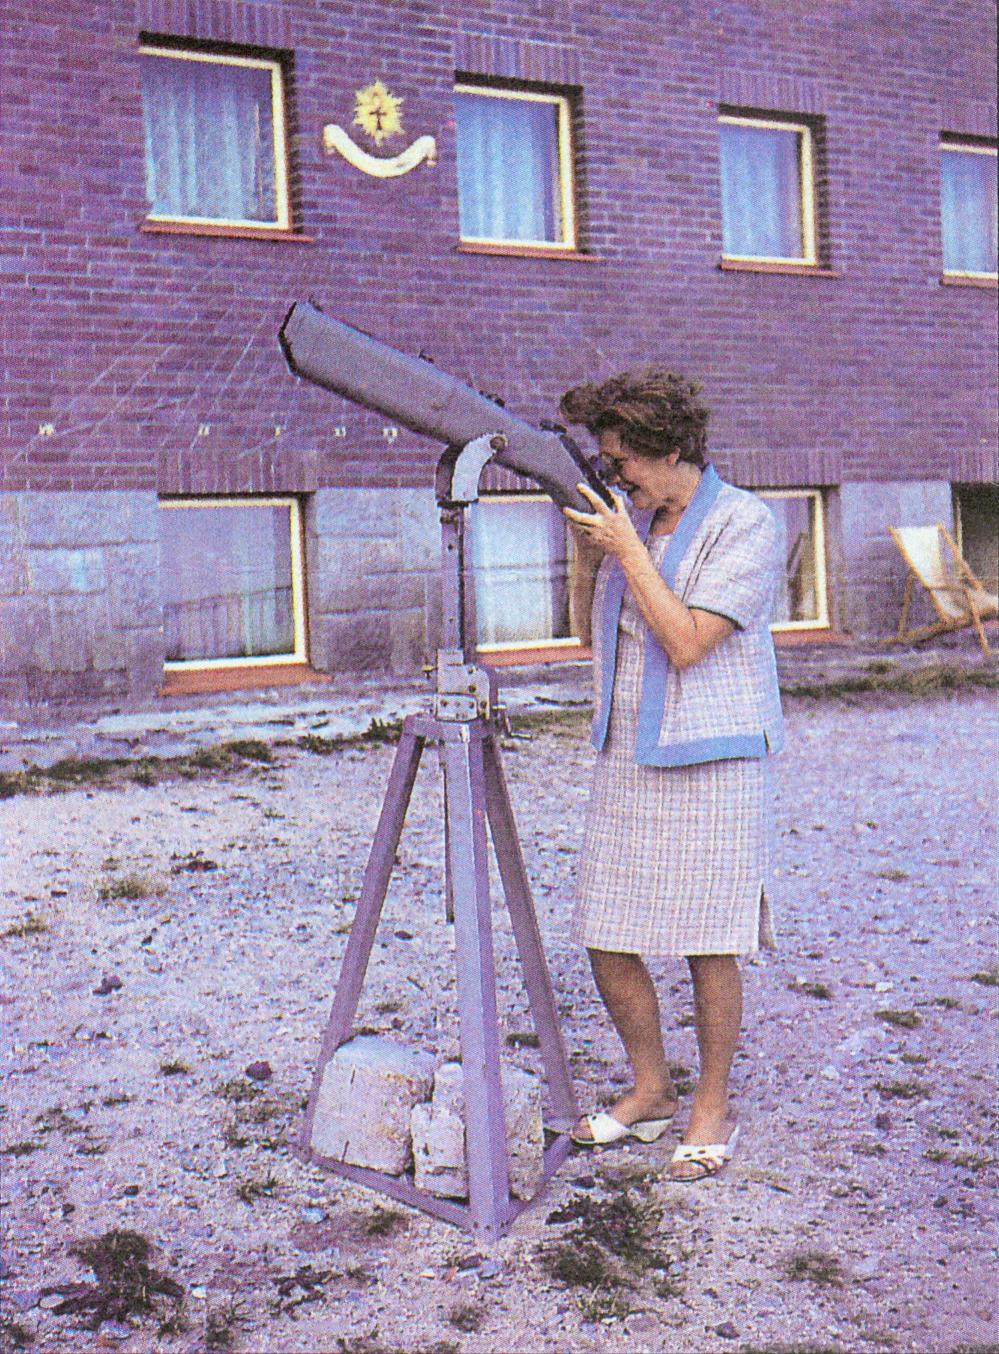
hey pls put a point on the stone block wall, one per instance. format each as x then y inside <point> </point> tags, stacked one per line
<point>79,596</point>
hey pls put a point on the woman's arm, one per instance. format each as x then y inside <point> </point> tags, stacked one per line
<point>686,634</point>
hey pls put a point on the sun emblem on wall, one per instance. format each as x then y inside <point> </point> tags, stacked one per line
<point>376,111</point>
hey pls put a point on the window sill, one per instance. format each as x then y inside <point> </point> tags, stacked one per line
<point>534,653</point>
<point>763,266</point>
<point>958,280</point>
<point>789,639</point>
<point>526,251</point>
<point>203,681</point>
<point>225,232</point>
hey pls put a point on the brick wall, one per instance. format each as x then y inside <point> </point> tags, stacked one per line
<point>137,361</point>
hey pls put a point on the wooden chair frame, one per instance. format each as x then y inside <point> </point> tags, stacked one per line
<point>965,582</point>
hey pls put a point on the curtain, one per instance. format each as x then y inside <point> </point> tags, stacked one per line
<point>520,571</point>
<point>968,211</point>
<point>209,139</point>
<point>761,192</point>
<point>227,586</point>
<point>508,168</point>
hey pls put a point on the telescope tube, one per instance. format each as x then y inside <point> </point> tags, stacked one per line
<point>415,393</point>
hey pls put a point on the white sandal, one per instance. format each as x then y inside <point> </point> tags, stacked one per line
<point>605,1129</point>
<point>710,1157</point>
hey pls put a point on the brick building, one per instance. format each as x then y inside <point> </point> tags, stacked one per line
<point>793,202</point>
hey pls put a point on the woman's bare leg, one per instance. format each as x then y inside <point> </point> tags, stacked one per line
<point>629,994</point>
<point>718,1016</point>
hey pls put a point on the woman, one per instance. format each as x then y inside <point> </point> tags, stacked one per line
<point>676,851</point>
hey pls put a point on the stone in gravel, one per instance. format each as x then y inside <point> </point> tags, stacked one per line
<point>366,1099</point>
<point>24,1301</point>
<point>109,983</point>
<point>727,1331</point>
<point>259,1071</point>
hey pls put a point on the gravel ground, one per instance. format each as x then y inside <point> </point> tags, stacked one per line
<point>857,1216</point>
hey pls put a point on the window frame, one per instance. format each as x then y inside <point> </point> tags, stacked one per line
<point>299,655</point>
<point>282,185</point>
<point>807,187</point>
<point>529,646</point>
<point>957,143</point>
<point>566,163</point>
<point>821,622</point>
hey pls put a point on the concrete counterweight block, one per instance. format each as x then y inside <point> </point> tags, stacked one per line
<point>366,1099</point>
<point>439,1134</point>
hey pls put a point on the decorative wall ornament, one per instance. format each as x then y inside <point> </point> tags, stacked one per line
<point>377,112</point>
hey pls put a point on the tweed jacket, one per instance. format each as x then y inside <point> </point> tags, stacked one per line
<point>724,557</point>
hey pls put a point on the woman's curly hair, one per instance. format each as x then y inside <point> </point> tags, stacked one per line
<point>654,411</point>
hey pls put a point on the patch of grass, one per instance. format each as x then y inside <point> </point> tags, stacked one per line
<point>987,977</point>
<point>14,1334</point>
<point>175,1068</point>
<point>950,1133</point>
<point>250,749</point>
<point>970,1161</point>
<point>83,770</point>
<point>905,1020</point>
<point>467,1316</point>
<point>222,1323</point>
<point>947,1003</point>
<point>931,680</point>
<point>893,874</point>
<point>936,1154</point>
<point>127,1285</point>
<point>522,1039</point>
<point>821,991</point>
<point>321,747</point>
<point>109,1101</point>
<point>915,1059</point>
<point>870,1149</point>
<point>909,1089</point>
<point>392,1006</point>
<point>612,1306</point>
<point>31,924</point>
<point>238,1090</point>
<point>21,1149</point>
<point>130,886</point>
<point>383,1222</point>
<point>251,1190</point>
<point>579,1264</point>
<point>815,1266</point>
<point>195,863</point>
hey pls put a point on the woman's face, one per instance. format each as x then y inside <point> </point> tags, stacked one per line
<point>649,481</point>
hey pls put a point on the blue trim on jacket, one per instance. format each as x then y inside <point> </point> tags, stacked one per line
<point>648,750</point>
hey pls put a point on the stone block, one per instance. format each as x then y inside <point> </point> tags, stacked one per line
<point>80,519</point>
<point>439,1137</point>
<point>59,571</point>
<point>349,513</point>
<point>366,1099</point>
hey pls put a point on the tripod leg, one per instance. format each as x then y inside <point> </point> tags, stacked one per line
<point>369,910</point>
<point>528,938</point>
<point>468,870</point>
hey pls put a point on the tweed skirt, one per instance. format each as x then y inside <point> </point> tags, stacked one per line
<point>675,860</point>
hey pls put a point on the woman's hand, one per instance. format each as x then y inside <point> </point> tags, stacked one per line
<point>608,529</point>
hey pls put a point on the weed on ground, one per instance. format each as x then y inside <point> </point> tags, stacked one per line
<point>127,1284</point>
<point>816,1266</point>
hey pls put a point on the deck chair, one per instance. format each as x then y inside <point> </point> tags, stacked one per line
<point>958,597</point>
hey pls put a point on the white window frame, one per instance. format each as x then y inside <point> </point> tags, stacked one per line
<point>532,645</point>
<point>300,653</point>
<point>821,622</point>
<point>567,186</point>
<point>806,167</point>
<point>972,148</point>
<point>282,196</point>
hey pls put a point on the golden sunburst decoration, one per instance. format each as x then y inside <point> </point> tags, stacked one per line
<point>376,111</point>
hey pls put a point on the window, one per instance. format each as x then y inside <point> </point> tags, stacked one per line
<point>215,138</point>
<point>520,564</point>
<point>976,521</point>
<point>968,209</point>
<point>514,167</point>
<point>232,581</point>
<point>768,190</point>
<point>801,602</point>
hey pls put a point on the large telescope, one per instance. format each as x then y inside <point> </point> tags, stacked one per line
<point>415,393</point>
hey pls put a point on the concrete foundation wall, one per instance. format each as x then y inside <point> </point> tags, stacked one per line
<point>79,596</point>
<point>870,573</point>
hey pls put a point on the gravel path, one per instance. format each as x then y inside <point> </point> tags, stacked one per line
<point>857,1216</point>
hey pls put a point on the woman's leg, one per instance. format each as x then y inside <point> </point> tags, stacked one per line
<point>718,1016</point>
<point>629,994</point>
